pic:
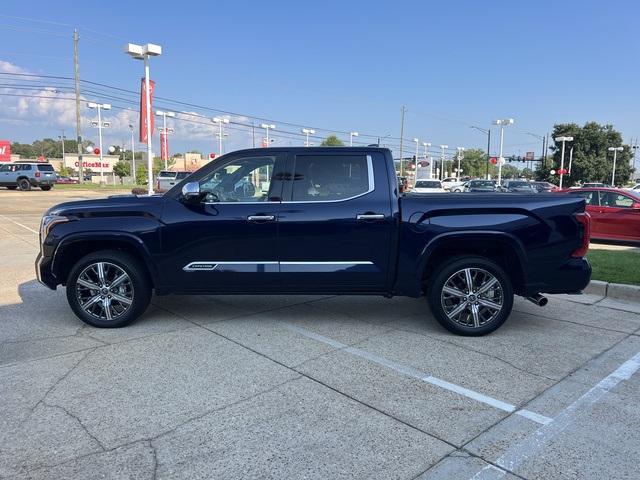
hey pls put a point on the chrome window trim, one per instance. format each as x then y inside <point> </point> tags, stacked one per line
<point>372,187</point>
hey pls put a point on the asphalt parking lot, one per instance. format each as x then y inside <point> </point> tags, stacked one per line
<point>306,387</point>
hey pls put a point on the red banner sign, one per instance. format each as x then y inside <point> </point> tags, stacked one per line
<point>5,151</point>
<point>164,146</point>
<point>143,109</point>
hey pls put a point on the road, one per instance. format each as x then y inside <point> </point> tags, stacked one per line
<point>306,386</point>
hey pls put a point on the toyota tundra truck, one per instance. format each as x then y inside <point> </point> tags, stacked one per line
<point>327,221</point>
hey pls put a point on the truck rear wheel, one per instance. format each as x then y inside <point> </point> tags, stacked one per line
<point>108,289</point>
<point>470,296</point>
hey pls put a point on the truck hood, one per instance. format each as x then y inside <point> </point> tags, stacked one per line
<point>116,205</point>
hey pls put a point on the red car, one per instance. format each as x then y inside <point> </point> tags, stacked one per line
<point>615,213</point>
<point>66,180</point>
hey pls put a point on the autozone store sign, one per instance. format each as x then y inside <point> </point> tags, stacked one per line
<point>5,151</point>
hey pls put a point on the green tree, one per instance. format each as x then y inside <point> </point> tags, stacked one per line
<point>592,162</point>
<point>141,174</point>
<point>65,171</point>
<point>122,169</point>
<point>48,147</point>
<point>527,172</point>
<point>510,171</point>
<point>332,141</point>
<point>474,164</point>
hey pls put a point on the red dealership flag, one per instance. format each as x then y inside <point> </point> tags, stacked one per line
<point>143,109</point>
<point>164,146</point>
<point>5,151</point>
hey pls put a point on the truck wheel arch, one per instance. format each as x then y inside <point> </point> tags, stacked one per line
<point>501,247</point>
<point>73,248</point>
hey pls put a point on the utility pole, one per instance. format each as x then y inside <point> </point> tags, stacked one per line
<point>253,134</point>
<point>76,75</point>
<point>403,110</point>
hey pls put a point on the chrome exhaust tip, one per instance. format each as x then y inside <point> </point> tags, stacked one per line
<point>538,299</point>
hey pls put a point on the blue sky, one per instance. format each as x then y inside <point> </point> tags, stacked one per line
<point>337,65</point>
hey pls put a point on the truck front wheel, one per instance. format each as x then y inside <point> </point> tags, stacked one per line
<point>108,289</point>
<point>470,296</point>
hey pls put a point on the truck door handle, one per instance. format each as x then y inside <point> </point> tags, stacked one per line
<point>370,216</point>
<point>261,218</point>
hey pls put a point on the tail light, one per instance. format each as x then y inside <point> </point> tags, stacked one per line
<point>37,173</point>
<point>585,221</point>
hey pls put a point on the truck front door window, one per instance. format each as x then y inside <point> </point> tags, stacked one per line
<point>244,180</point>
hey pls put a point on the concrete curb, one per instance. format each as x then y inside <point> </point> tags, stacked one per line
<point>618,291</point>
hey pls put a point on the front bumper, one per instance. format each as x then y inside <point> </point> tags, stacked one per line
<point>43,272</point>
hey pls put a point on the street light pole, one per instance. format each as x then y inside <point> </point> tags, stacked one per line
<point>563,140</point>
<point>502,124</point>
<point>143,52</point>
<point>615,151</point>
<point>62,138</point>
<point>307,131</point>
<point>351,135</point>
<point>164,116</point>
<point>442,157</point>
<point>267,127</point>
<point>220,136</point>
<point>460,157</point>
<point>133,155</point>
<point>426,157</point>
<point>100,107</point>
<point>415,171</point>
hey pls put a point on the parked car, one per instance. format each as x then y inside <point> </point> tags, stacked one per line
<point>459,188</point>
<point>331,222</point>
<point>449,183</point>
<point>25,175</point>
<point>166,179</point>
<point>480,186</point>
<point>67,180</point>
<point>542,187</point>
<point>593,185</point>
<point>517,186</point>
<point>615,213</point>
<point>428,186</point>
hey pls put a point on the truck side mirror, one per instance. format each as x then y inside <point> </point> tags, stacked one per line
<point>191,191</point>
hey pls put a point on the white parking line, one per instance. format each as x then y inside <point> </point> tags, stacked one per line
<point>539,439</point>
<point>412,372</point>
<point>20,225</point>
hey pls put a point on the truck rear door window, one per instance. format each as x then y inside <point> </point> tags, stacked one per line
<point>320,178</point>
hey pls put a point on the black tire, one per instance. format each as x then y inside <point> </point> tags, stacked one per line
<point>139,291</point>
<point>470,322</point>
<point>12,187</point>
<point>46,188</point>
<point>24,184</point>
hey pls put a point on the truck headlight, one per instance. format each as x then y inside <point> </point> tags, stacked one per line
<point>48,222</point>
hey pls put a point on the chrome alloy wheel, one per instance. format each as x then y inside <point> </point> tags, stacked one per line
<point>104,291</point>
<point>472,297</point>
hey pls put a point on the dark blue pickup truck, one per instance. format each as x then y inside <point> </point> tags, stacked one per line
<point>314,221</point>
